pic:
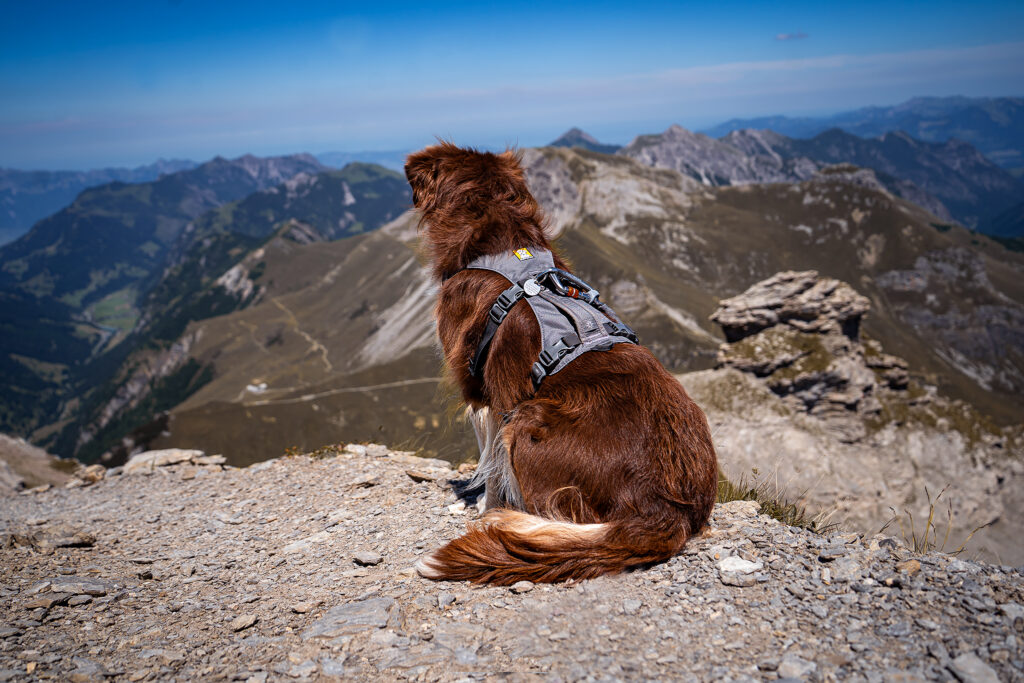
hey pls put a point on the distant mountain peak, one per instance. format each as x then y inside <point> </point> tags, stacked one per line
<point>576,137</point>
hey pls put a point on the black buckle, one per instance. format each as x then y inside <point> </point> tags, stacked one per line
<point>620,330</point>
<point>550,356</point>
<point>506,300</point>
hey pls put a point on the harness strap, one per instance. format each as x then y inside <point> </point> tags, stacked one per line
<point>571,317</point>
<point>506,300</point>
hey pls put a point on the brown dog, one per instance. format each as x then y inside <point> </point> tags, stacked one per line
<point>608,464</point>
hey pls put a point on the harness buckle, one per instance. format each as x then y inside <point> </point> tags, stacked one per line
<point>550,356</point>
<point>506,300</point>
<point>621,330</point>
<point>498,314</point>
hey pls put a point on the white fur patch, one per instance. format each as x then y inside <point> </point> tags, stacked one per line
<point>529,525</point>
<point>427,570</point>
<point>495,468</point>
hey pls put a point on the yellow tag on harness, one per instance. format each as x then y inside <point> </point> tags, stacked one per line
<point>523,254</point>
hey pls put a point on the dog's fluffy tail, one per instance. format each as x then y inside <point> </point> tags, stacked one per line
<point>507,546</point>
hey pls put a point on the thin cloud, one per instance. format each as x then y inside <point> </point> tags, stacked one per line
<point>799,35</point>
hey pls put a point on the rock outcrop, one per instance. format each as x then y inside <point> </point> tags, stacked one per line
<point>185,577</point>
<point>801,334</point>
<point>801,399</point>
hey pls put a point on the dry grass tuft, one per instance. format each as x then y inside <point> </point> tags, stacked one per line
<point>773,502</point>
<point>927,540</point>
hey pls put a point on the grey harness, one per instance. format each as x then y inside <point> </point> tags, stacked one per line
<point>572,319</point>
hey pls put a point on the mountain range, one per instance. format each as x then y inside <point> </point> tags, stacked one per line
<point>393,159</point>
<point>993,125</point>
<point>574,137</point>
<point>327,341</point>
<point>951,179</point>
<point>77,285</point>
<point>141,307</point>
<point>28,196</point>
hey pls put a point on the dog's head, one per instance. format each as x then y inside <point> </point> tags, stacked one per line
<point>472,203</point>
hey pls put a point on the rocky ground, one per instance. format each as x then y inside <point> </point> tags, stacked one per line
<point>302,568</point>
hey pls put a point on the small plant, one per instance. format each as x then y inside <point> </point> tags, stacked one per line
<point>927,540</point>
<point>773,502</point>
<point>328,451</point>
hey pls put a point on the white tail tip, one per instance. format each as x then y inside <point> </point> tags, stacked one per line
<point>427,570</point>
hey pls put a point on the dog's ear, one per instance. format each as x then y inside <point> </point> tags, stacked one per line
<point>421,168</point>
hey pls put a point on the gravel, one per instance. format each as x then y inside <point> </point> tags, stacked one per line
<point>302,569</point>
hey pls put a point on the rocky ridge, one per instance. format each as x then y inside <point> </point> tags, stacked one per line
<point>302,569</point>
<point>951,180</point>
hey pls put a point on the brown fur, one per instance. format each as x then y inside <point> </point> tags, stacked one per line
<point>611,439</point>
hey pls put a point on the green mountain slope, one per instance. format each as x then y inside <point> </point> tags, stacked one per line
<point>223,263</point>
<point>74,279</point>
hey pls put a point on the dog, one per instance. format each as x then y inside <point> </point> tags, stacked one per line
<point>608,464</point>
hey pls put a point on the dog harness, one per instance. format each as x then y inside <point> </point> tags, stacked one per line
<point>572,319</point>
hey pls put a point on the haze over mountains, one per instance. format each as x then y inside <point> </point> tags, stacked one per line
<point>994,126</point>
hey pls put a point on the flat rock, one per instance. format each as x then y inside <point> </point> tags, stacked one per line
<point>737,565</point>
<point>969,668</point>
<point>304,544</point>
<point>367,558</point>
<point>150,460</point>
<point>242,622</point>
<point>81,585</point>
<point>793,666</point>
<point>353,617</point>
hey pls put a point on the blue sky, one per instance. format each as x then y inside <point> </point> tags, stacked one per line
<point>123,83</point>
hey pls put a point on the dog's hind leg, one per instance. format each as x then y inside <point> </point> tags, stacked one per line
<point>485,427</point>
<point>494,471</point>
